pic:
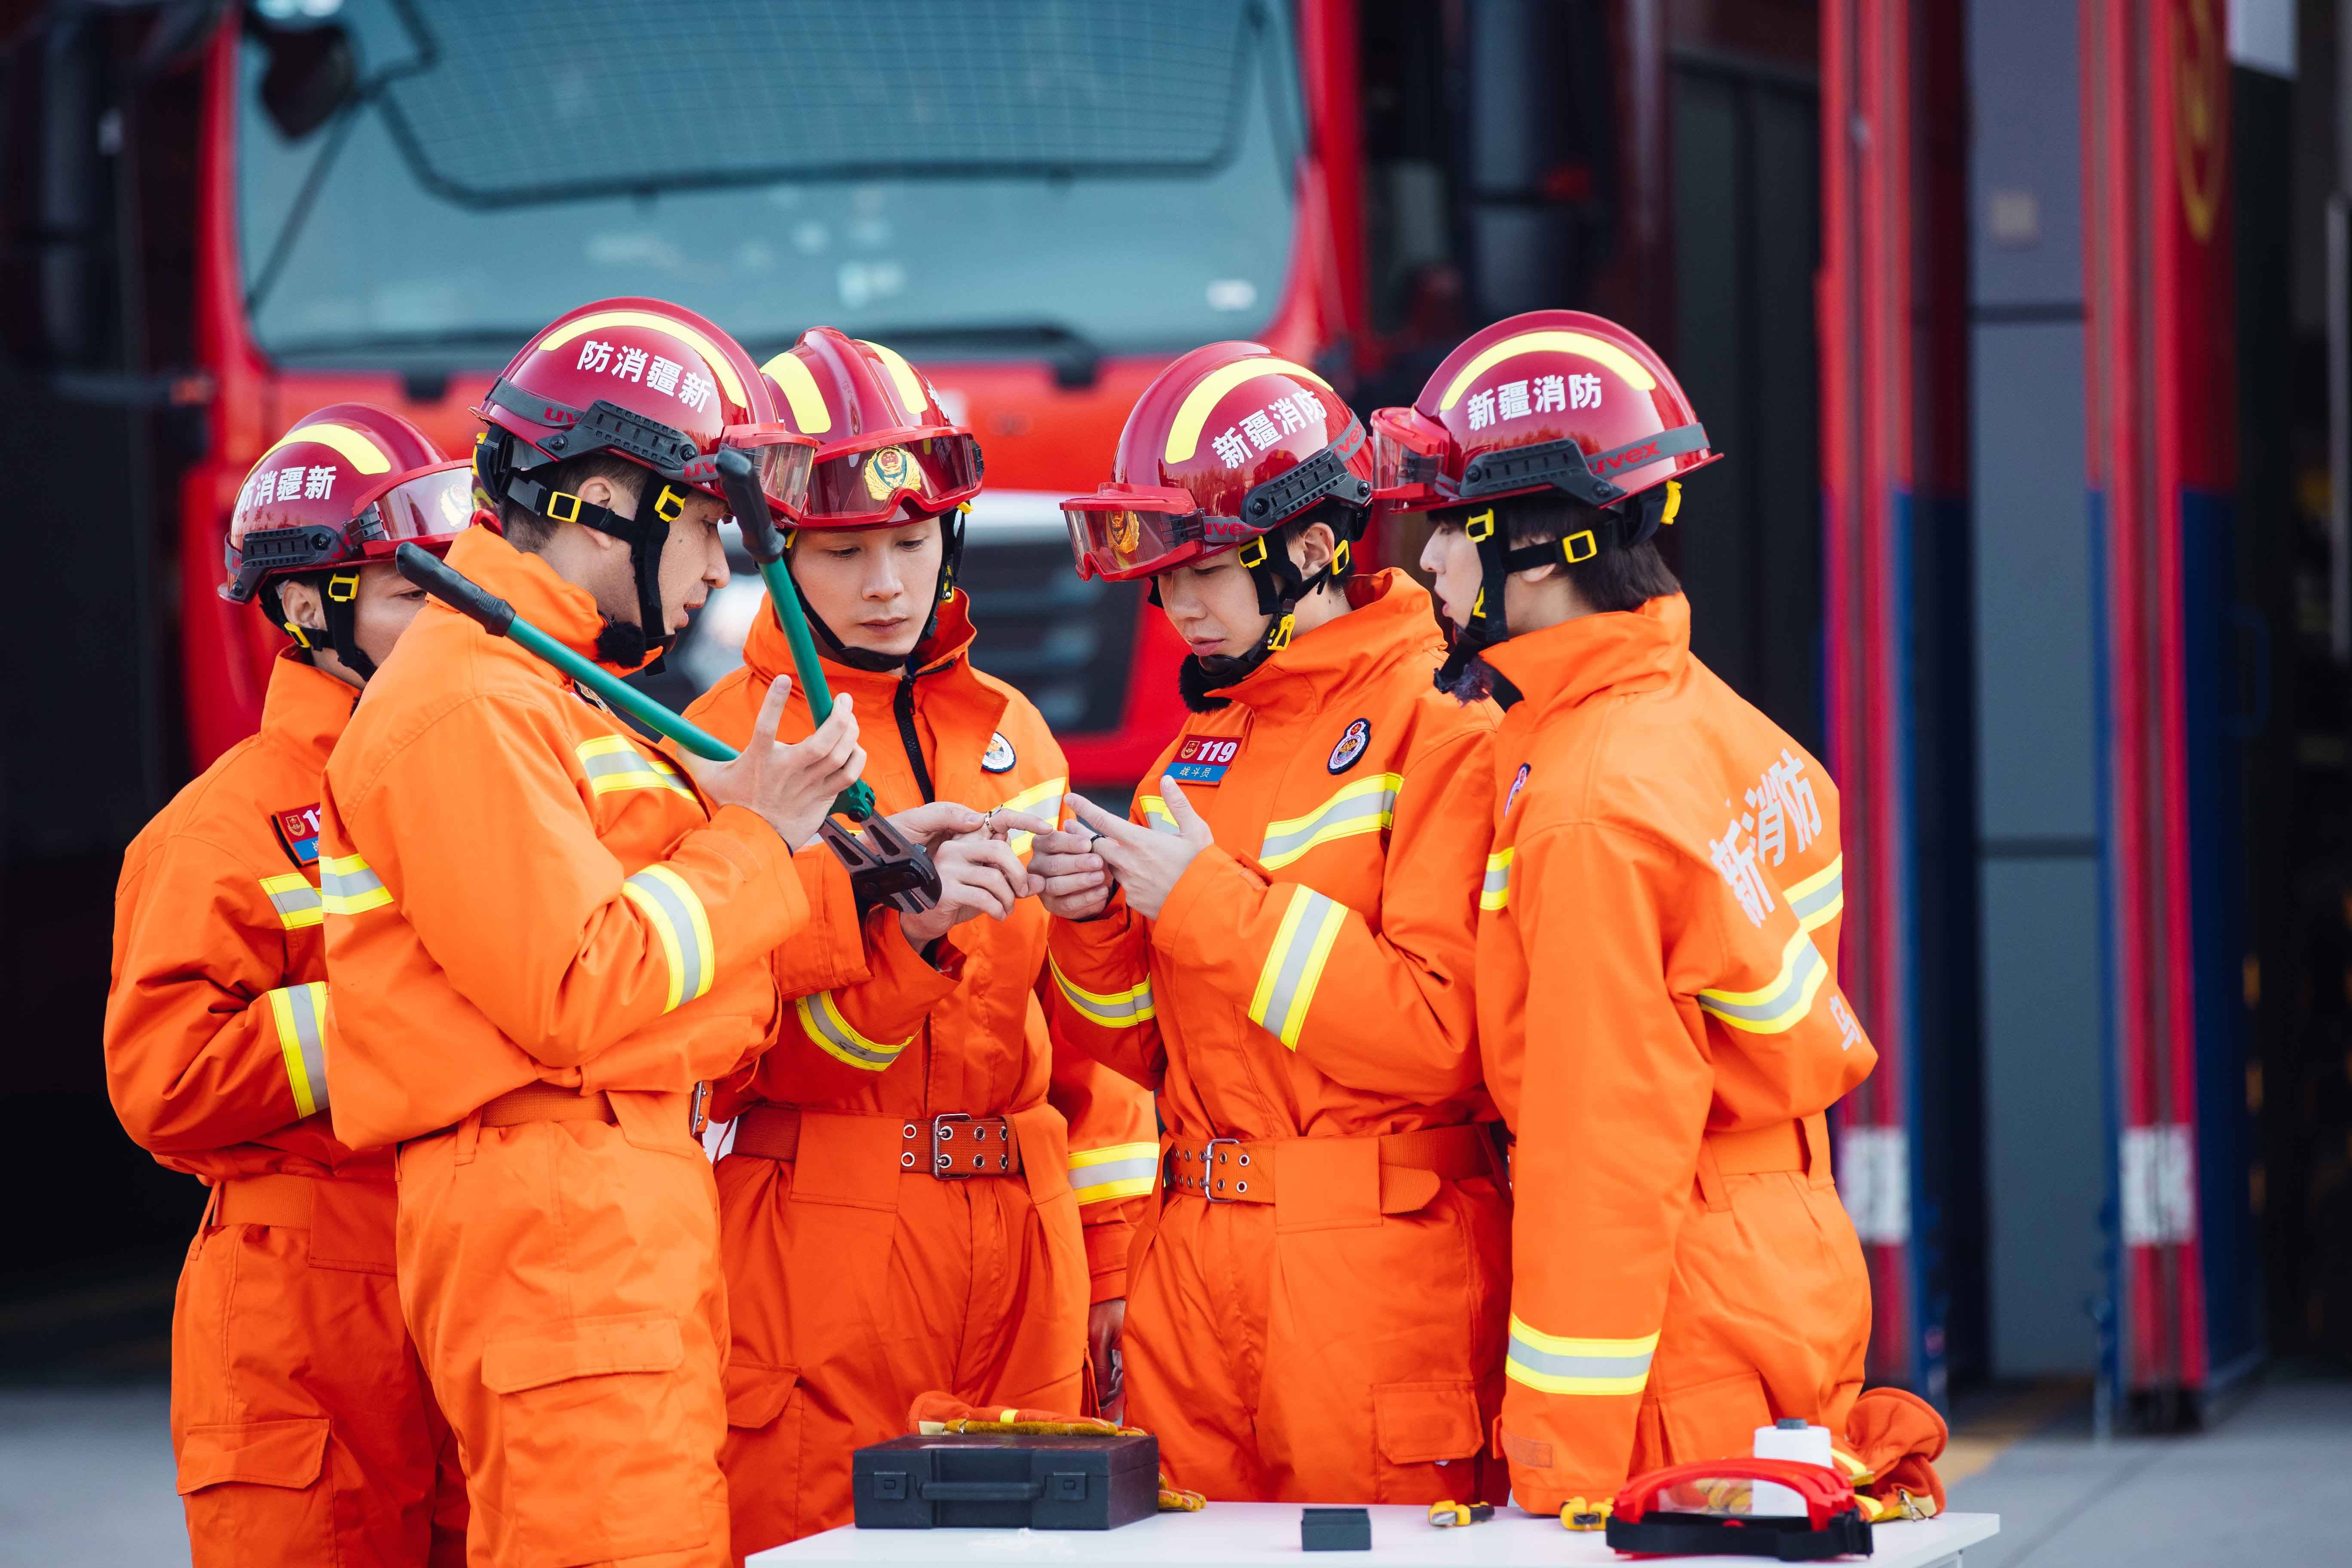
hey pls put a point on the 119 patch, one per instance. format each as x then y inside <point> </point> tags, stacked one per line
<point>1352,741</point>
<point>1203,759</point>
<point>298,830</point>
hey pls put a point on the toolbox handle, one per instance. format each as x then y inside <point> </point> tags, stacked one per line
<point>980,1491</point>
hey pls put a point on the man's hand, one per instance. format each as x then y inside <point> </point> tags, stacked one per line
<point>1105,1321</point>
<point>979,873</point>
<point>933,825</point>
<point>1147,861</point>
<point>792,787</point>
<point>1071,880</point>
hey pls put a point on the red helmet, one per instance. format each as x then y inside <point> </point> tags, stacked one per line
<point>886,440</point>
<point>646,381</point>
<point>350,483</point>
<point>1227,443</point>
<point>1549,399</point>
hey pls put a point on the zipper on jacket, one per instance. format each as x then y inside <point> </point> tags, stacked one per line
<point>903,704</point>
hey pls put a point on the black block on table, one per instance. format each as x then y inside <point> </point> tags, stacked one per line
<point>1335,1529</point>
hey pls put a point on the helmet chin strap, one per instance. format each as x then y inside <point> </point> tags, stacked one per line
<point>1280,586</point>
<point>1621,527</point>
<point>339,594</point>
<point>951,558</point>
<point>662,503</point>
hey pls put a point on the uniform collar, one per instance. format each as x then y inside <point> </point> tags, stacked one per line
<point>1634,650</point>
<point>1390,621</point>
<point>305,708</point>
<point>946,651</point>
<point>563,610</point>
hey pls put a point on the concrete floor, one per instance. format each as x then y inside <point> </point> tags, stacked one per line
<point>86,1478</point>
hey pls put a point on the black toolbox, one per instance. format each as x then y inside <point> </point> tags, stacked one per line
<point>1006,1481</point>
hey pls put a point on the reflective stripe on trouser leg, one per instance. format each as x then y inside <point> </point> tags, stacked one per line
<point>1556,1366</point>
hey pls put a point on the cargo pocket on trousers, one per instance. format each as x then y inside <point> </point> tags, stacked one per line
<point>1713,1420</point>
<point>254,1489</point>
<point>592,1421</point>
<point>1425,1432</point>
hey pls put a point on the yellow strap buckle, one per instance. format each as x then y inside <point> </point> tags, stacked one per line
<point>1479,525</point>
<point>670,505</point>
<point>555,499</point>
<point>1339,560</point>
<point>1258,545</point>
<point>1280,638</point>
<point>343,587</point>
<point>301,635</point>
<point>1583,537</point>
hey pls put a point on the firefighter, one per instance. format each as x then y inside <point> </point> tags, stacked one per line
<point>301,1420</point>
<point>921,1194</point>
<point>1657,1005</point>
<point>545,936</point>
<point>1315,1304</point>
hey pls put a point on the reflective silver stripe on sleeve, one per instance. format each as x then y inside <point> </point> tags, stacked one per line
<point>295,900</point>
<point>609,770</point>
<point>830,1030</point>
<point>303,1003</point>
<point>1362,807</point>
<point>348,886</point>
<point>678,916</point>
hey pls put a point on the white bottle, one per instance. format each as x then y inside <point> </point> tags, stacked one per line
<point>1789,1438</point>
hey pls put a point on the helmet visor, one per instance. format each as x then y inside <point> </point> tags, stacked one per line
<point>1121,532</point>
<point>783,459</point>
<point>428,506</point>
<point>864,487</point>
<point>1408,453</point>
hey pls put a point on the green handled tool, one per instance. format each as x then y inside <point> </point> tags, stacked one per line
<point>766,548</point>
<point>883,868</point>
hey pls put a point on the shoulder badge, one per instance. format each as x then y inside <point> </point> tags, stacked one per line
<point>298,830</point>
<point>1518,784</point>
<point>1352,741</point>
<point>999,757</point>
<point>1203,759</point>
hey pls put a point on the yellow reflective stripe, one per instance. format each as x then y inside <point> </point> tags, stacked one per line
<point>1184,435</point>
<point>348,885</point>
<point>1368,806</point>
<point>791,373</point>
<point>1110,1010</point>
<point>355,449</point>
<point>1496,892</point>
<point>1551,1365</point>
<point>721,365</point>
<point>1118,1171</point>
<point>824,1024</point>
<point>678,919</point>
<point>1294,965</point>
<point>612,762</point>
<point>1585,343</point>
<point>300,1014</point>
<point>295,900</point>
<point>1036,797</point>
<point>1781,1006</point>
<point>1156,814</point>
<point>1819,898</point>
<point>903,376</point>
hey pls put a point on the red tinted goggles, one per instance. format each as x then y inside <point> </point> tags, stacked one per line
<point>783,459</point>
<point>1124,532</point>
<point>937,471</point>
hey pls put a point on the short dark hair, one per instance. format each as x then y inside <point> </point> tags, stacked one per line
<point>1615,579</point>
<point>527,530</point>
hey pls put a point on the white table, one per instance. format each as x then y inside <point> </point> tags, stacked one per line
<point>1265,1535</point>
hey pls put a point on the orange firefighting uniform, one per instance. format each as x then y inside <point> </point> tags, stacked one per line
<point>1302,1000</point>
<point>300,1417</point>
<point>1662,1029</point>
<point>521,896</point>
<point>857,1279</point>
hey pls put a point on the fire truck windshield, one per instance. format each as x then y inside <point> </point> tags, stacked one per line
<point>993,173</point>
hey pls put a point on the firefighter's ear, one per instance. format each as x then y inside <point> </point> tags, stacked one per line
<point>302,605</point>
<point>1543,574</point>
<point>1312,547</point>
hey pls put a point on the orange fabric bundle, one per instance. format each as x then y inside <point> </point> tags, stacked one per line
<point>938,1413</point>
<point>1892,1438</point>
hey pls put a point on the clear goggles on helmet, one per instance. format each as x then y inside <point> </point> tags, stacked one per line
<point>425,506</point>
<point>1409,454</point>
<point>863,488</point>
<point>1124,532</point>
<point>781,458</point>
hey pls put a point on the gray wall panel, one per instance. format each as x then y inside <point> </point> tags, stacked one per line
<point>2034,742</point>
<point>2025,152</point>
<point>2045,1155</point>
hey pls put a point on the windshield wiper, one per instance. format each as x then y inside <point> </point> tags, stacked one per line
<point>1076,359</point>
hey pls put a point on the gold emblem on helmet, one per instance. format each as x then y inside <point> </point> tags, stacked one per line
<point>887,471</point>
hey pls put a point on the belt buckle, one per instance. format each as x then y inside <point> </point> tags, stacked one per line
<point>1210,1183</point>
<point>944,1133</point>
<point>697,1109</point>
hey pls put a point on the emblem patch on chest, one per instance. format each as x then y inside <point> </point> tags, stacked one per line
<point>1518,784</point>
<point>999,757</point>
<point>1203,759</point>
<point>1352,741</point>
<point>298,830</point>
